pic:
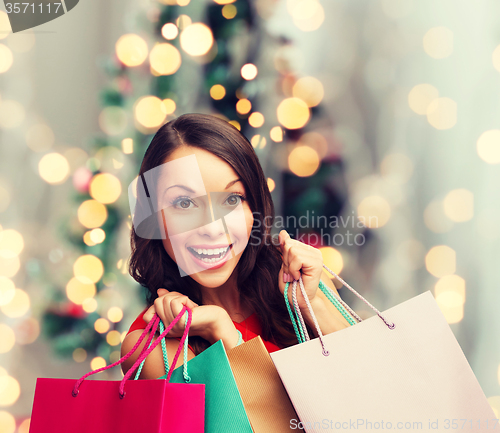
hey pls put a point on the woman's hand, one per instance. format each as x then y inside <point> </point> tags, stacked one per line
<point>210,322</point>
<point>299,259</point>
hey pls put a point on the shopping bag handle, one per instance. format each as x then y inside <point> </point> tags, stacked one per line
<point>304,294</point>
<point>152,325</point>
<point>187,379</point>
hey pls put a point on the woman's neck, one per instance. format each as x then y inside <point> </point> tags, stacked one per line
<point>228,297</point>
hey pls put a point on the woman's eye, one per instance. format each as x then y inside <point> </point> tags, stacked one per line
<point>183,203</point>
<point>233,200</point>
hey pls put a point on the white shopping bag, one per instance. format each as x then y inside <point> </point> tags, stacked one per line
<point>413,377</point>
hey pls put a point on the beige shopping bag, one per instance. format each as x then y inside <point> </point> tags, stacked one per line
<point>266,402</point>
<point>370,376</point>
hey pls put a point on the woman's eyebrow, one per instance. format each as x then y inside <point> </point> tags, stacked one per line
<point>232,183</point>
<point>181,186</point>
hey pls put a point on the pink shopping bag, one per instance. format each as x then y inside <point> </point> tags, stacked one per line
<point>402,370</point>
<point>126,406</point>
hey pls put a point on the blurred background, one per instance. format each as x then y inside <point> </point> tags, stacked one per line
<point>377,123</point>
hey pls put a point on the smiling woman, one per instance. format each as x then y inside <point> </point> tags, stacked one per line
<point>203,180</point>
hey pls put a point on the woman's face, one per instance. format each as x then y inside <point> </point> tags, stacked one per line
<point>204,214</point>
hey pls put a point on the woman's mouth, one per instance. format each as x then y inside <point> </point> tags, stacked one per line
<point>210,258</point>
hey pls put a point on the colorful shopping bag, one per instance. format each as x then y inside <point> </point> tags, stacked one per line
<point>224,410</point>
<point>126,406</point>
<point>266,402</point>
<point>401,370</point>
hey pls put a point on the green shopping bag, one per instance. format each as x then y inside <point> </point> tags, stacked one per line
<point>224,410</point>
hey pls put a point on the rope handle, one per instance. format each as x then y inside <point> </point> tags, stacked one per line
<point>332,296</point>
<point>187,379</point>
<point>379,314</point>
<point>152,325</point>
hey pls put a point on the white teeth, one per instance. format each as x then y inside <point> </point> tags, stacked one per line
<point>199,251</point>
<point>204,251</point>
<point>210,251</point>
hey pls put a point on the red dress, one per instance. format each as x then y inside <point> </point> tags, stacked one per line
<point>249,328</point>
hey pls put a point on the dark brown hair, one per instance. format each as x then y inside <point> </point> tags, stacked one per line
<point>259,265</point>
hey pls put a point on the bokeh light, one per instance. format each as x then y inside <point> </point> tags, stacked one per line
<point>92,214</point>
<point>229,11</point>
<point>435,218</point>
<point>7,421</point>
<point>113,338</point>
<point>196,39</point>
<point>11,243</point>
<point>128,145</point>
<point>276,134</point>
<point>303,161</point>
<point>78,291</point>
<point>438,42</point>
<point>115,314</point>
<point>165,59</point>
<point>309,89</point>
<point>440,261</point>
<point>7,290</point>
<point>89,305</point>
<point>105,188</point>
<point>24,427</point>
<point>421,96</point>
<point>332,258</point>
<point>6,58</point>
<point>451,283</point>
<point>308,15</point>
<point>169,31</point>
<point>293,113</point>
<point>101,325</point>
<point>79,355</point>
<point>53,168</point>
<point>243,106</point>
<point>9,390</point>
<point>249,71</point>
<point>217,92</point>
<point>256,119</point>
<point>97,363</point>
<point>149,111</point>
<point>442,113</point>
<point>316,141</point>
<point>9,267</point>
<point>169,106</point>
<point>488,146</point>
<point>97,235</point>
<point>459,205</point>
<point>271,184</point>
<point>18,305</point>
<point>131,50</point>
<point>88,269</point>
<point>7,338</point>
<point>183,21</point>
<point>374,211</point>
<point>258,141</point>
